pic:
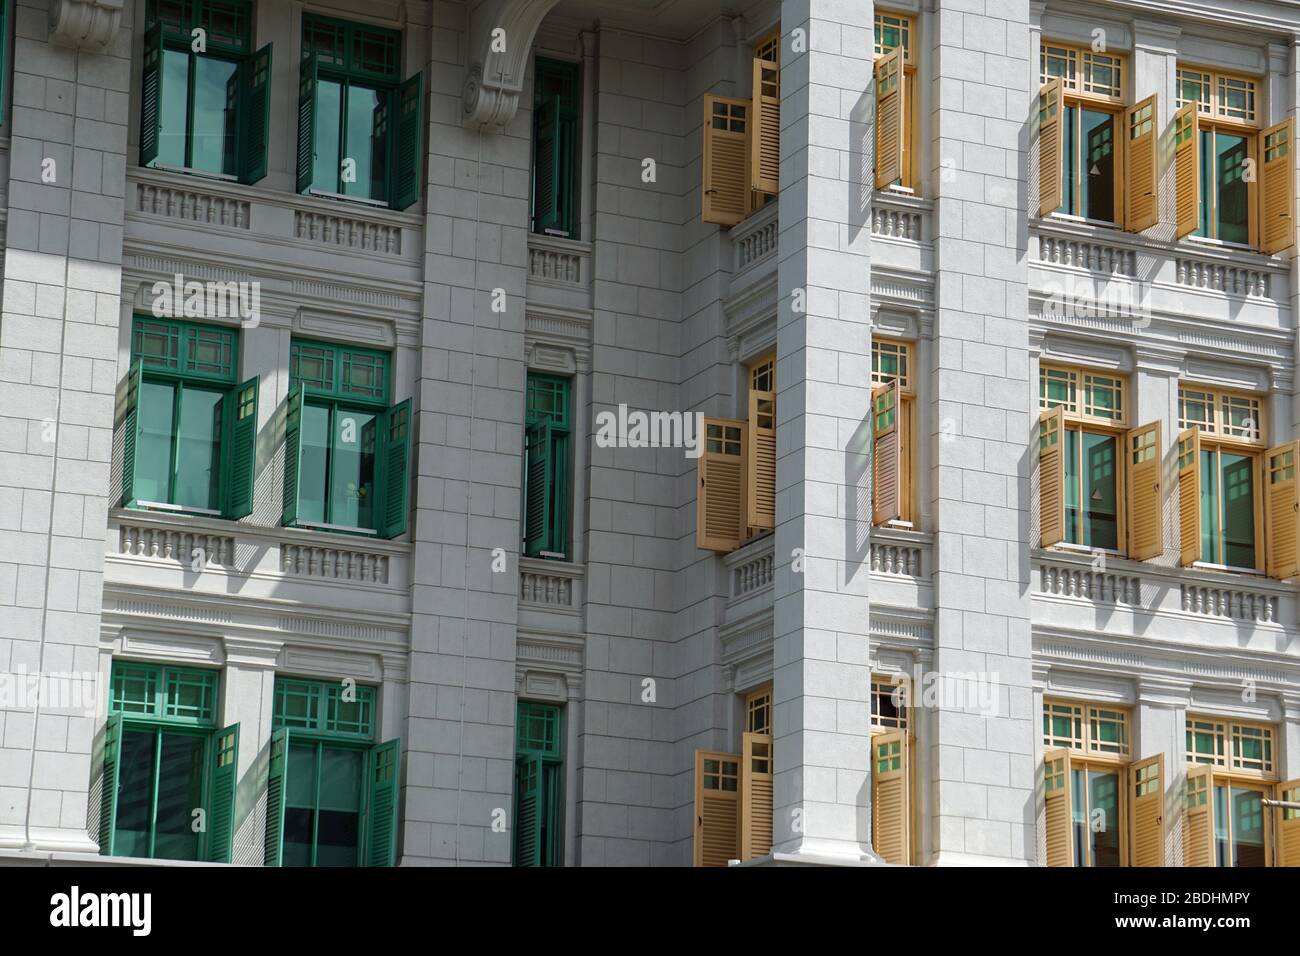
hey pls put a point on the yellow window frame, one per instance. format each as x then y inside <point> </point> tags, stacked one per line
<point>904,360</point>
<point>884,687</point>
<point>1079,67</point>
<point>905,27</point>
<point>758,711</point>
<point>1217,420</point>
<point>1210,88</point>
<point>1227,758</point>
<point>1086,720</point>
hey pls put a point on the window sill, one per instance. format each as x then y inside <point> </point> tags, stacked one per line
<point>195,173</point>
<point>335,528</point>
<point>1229,569</point>
<point>164,508</point>
<point>353,200</point>
<point>1084,221</point>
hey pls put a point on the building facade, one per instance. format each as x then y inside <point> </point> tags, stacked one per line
<point>649,432</point>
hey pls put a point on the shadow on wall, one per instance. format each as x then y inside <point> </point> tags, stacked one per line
<point>857,500</point>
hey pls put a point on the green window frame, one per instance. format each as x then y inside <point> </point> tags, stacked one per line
<point>360,125</point>
<point>557,93</point>
<point>169,772</point>
<point>547,467</point>
<point>347,451</point>
<point>189,427</point>
<point>209,110</point>
<point>539,785</point>
<point>332,794</point>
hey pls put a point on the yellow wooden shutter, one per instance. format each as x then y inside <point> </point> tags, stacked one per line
<point>1280,543</point>
<point>765,143</point>
<point>1147,790</point>
<point>1056,799</point>
<point>1189,497</point>
<point>891,828</point>
<point>1187,171</point>
<point>726,161</point>
<point>1277,224</point>
<point>760,450</point>
<point>717,800</point>
<point>886,454</point>
<point>1198,831</point>
<point>756,796</point>
<point>1051,477</point>
<point>1288,825</point>
<point>1145,494</point>
<point>719,494</point>
<point>1141,204</point>
<point>1051,157</point>
<point>890,132</point>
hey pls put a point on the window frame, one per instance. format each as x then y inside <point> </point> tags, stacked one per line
<point>560,528</point>
<point>904,352</point>
<point>883,687</point>
<point>551,758</point>
<point>570,121</point>
<point>906,23</point>
<point>758,710</point>
<point>1086,747</point>
<point>1226,731</point>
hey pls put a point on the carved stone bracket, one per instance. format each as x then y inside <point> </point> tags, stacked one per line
<point>501,35</point>
<point>90,25</point>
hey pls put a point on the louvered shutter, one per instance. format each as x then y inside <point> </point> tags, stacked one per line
<point>539,474</point>
<point>108,790</point>
<point>1187,170</point>
<point>1189,497</point>
<point>717,810</point>
<point>1198,817</point>
<point>382,803</point>
<point>1056,797</point>
<point>1288,825</point>
<point>276,790</point>
<point>1051,155</point>
<point>725,199</point>
<point>151,96</point>
<point>1146,788</point>
<point>307,123</point>
<point>719,493</point>
<point>890,797</point>
<point>240,451</point>
<point>1277,223</point>
<point>222,784</point>
<point>292,453</point>
<point>254,115</point>
<point>756,796</point>
<point>1145,494</point>
<point>760,457</point>
<point>886,454</point>
<point>396,445</point>
<point>408,148</point>
<point>765,143</point>
<point>1283,533</point>
<point>131,427</point>
<point>890,134</point>
<point>1141,180</point>
<point>528,810</point>
<point>1051,477</point>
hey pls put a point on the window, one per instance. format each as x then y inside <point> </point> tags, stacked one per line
<point>556,160</point>
<point>894,433</point>
<point>1227,822</point>
<point>889,703</point>
<point>892,817</point>
<point>189,431</point>
<point>760,449</point>
<point>1217,95</point>
<point>205,111</point>
<point>1088,128</point>
<point>757,771</point>
<point>758,712</point>
<point>360,125</point>
<point>164,758</point>
<point>1086,73</point>
<point>896,31</point>
<point>1218,461</point>
<point>346,450</point>
<point>539,785</point>
<point>332,796</point>
<point>1238,747</point>
<point>547,467</point>
<point>1090,730</point>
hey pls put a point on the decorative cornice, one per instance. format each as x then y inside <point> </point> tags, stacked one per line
<point>501,35</point>
<point>89,25</point>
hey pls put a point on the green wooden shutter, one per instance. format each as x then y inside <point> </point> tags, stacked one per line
<point>547,167</point>
<point>528,810</point>
<point>108,795</point>
<point>306,121</point>
<point>130,433</point>
<point>240,451</point>
<point>151,95</point>
<point>221,795</point>
<point>396,436</point>
<point>539,474</point>
<point>408,146</point>
<point>276,789</point>
<point>381,803</point>
<point>553,774</point>
<point>254,115</point>
<point>292,453</point>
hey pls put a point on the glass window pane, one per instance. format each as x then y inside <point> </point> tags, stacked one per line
<point>1247,827</point>
<point>180,792</point>
<point>198,449</point>
<point>299,804</point>
<point>1101,523</point>
<point>1097,184</point>
<point>1238,510</point>
<point>1103,817</point>
<point>352,471</point>
<point>1073,528</point>
<point>340,806</point>
<point>329,142</point>
<point>1078,817</point>
<point>367,142</point>
<point>1222,848</point>
<point>1209,509</point>
<point>1233,203</point>
<point>153,450</point>
<point>1206,191</point>
<point>174,107</point>
<point>1070,168</point>
<point>134,793</point>
<point>216,91</point>
<point>313,472</point>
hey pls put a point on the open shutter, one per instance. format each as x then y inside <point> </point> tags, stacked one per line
<point>1147,790</point>
<point>528,810</point>
<point>1198,831</point>
<point>221,799</point>
<point>381,803</point>
<point>891,829</point>
<point>254,115</point>
<point>765,143</point>
<point>539,474</point>
<point>1288,825</point>
<point>276,788</point>
<point>306,122</point>
<point>241,451</point>
<point>1051,155</point>
<point>1141,178</point>
<point>725,199</point>
<point>756,771</point>
<point>1051,477</point>
<point>886,454</point>
<point>1145,494</point>
<point>108,793</point>
<point>131,426</point>
<point>396,433</point>
<point>760,459</point>
<point>1189,497</point>
<point>1280,548</point>
<point>292,453</point>
<point>1277,224</point>
<point>890,135</point>
<point>717,783</point>
<point>1056,799</point>
<point>1187,172</point>
<point>151,95</point>
<point>408,150</point>
<point>719,496</point>
<point>546,166</point>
